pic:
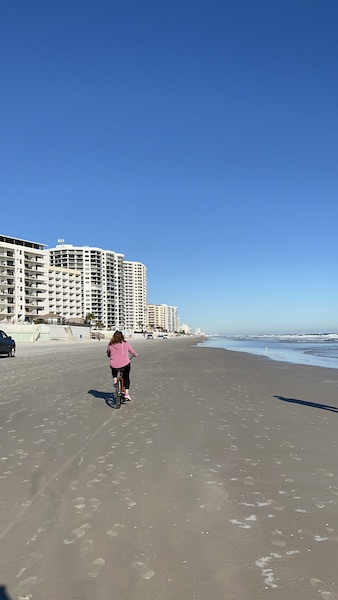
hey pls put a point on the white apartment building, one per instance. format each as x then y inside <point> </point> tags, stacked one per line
<point>64,293</point>
<point>23,289</point>
<point>185,329</point>
<point>171,318</point>
<point>102,280</point>
<point>135,295</point>
<point>162,316</point>
<point>30,288</point>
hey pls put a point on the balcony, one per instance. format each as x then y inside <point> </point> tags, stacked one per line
<point>6,312</point>
<point>7,282</point>
<point>6,302</point>
<point>30,288</point>
<point>7,263</point>
<point>34,258</point>
<point>31,276</point>
<point>29,305</point>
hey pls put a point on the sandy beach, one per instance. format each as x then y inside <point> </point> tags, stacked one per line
<point>217,481</point>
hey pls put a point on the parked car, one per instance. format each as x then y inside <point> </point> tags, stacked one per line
<point>7,344</point>
<point>150,336</point>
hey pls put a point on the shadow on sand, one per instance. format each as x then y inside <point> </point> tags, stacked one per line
<point>305,403</point>
<point>106,396</point>
<point>3,593</point>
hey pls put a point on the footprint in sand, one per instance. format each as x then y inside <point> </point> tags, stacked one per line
<point>115,530</point>
<point>144,571</point>
<point>31,559</point>
<point>319,584</point>
<point>98,479</point>
<point>21,591</point>
<point>79,503</point>
<point>78,533</point>
<point>277,539</point>
<point>94,503</point>
<point>96,567</point>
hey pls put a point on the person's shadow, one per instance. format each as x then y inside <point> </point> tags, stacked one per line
<point>306,403</point>
<point>3,593</point>
<point>106,396</point>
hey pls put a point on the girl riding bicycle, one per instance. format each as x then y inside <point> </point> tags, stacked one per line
<point>118,351</point>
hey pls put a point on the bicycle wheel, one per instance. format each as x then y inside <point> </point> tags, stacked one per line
<point>118,392</point>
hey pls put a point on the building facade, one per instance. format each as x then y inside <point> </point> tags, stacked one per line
<point>64,293</point>
<point>72,282</point>
<point>23,290</point>
<point>135,295</point>
<point>162,316</point>
<point>102,281</point>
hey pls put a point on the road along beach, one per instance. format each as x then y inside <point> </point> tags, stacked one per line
<point>218,480</point>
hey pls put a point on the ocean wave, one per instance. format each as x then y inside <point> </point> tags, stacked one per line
<point>316,338</point>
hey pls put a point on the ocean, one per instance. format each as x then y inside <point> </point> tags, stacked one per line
<point>317,349</point>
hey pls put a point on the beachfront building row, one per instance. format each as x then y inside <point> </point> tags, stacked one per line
<point>163,317</point>
<point>70,282</point>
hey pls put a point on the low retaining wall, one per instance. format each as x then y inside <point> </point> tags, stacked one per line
<point>34,333</point>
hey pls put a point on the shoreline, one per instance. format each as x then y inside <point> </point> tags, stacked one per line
<point>191,341</point>
<point>300,354</point>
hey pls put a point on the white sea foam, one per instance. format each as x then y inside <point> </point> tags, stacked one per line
<point>316,349</point>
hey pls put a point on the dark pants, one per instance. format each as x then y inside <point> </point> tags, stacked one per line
<point>125,370</point>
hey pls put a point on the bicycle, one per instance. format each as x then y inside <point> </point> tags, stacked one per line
<point>119,387</point>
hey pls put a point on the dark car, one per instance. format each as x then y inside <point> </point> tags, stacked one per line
<point>7,344</point>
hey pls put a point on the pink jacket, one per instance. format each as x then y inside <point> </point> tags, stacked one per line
<point>119,354</point>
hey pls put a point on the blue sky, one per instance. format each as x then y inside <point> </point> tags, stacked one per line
<point>200,138</point>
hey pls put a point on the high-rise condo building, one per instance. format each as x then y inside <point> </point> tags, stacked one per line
<point>30,288</point>
<point>102,280</point>
<point>23,290</point>
<point>162,316</point>
<point>135,295</point>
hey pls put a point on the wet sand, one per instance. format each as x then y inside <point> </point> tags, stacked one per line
<point>218,480</point>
